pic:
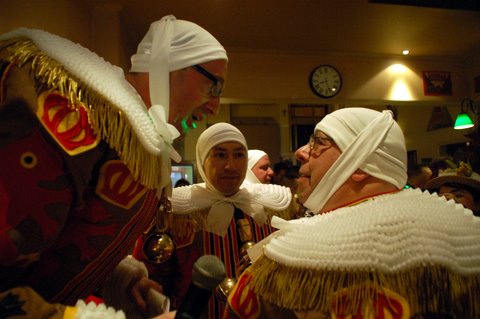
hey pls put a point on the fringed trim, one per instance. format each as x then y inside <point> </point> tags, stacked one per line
<point>181,225</point>
<point>291,212</point>
<point>427,289</point>
<point>104,117</point>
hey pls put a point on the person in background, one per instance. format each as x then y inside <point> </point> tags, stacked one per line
<point>90,149</point>
<point>259,167</point>
<point>279,171</point>
<point>223,216</point>
<point>290,178</point>
<point>372,249</point>
<point>181,182</point>
<point>461,184</point>
<point>441,163</point>
<point>419,175</point>
<point>469,153</point>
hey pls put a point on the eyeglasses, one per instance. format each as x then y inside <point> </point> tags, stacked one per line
<point>217,85</point>
<point>315,141</point>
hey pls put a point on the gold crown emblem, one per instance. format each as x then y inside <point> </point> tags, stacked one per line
<point>68,125</point>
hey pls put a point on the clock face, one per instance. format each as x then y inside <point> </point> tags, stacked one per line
<point>325,81</point>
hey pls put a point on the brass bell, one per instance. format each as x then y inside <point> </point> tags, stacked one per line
<point>246,246</point>
<point>158,247</point>
<point>225,288</point>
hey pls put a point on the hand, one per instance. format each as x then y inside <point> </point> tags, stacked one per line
<point>139,290</point>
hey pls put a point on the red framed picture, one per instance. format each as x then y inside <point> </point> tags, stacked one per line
<point>437,83</point>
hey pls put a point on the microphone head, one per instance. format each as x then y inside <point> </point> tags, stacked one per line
<point>208,272</point>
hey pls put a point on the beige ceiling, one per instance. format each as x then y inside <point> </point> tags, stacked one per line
<point>335,26</point>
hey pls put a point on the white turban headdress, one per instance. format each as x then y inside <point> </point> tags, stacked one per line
<point>253,157</point>
<point>212,136</point>
<point>369,140</point>
<point>170,45</point>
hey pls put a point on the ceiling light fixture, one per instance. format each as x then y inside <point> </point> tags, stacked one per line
<point>405,52</point>
<point>464,121</point>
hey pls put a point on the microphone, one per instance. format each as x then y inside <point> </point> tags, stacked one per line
<point>207,273</point>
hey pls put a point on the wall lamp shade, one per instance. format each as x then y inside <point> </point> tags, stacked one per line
<point>463,121</point>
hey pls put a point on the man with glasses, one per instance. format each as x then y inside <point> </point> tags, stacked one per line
<point>371,249</point>
<point>85,156</point>
<point>193,80</point>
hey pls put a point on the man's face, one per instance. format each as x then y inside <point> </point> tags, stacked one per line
<point>225,167</point>
<point>459,195</point>
<point>315,162</point>
<point>191,98</point>
<point>263,170</point>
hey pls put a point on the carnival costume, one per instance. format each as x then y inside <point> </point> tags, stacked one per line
<point>204,221</point>
<point>83,166</point>
<point>403,254</point>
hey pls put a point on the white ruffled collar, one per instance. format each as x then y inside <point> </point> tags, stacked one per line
<point>388,233</point>
<point>252,199</point>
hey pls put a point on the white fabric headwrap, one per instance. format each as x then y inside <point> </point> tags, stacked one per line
<point>253,157</point>
<point>170,45</point>
<point>369,140</point>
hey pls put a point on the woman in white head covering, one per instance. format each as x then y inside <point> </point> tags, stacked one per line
<point>259,167</point>
<point>224,215</point>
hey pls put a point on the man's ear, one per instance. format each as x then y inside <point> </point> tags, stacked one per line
<point>359,175</point>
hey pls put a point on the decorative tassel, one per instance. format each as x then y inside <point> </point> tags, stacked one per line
<point>427,289</point>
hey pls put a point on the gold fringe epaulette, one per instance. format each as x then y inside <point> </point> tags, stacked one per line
<point>428,289</point>
<point>291,212</point>
<point>184,225</point>
<point>104,117</point>
<point>198,219</point>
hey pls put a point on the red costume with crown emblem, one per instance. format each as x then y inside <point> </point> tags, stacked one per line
<point>70,191</point>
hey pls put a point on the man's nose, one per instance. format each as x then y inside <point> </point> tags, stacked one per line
<point>303,153</point>
<point>230,162</point>
<point>213,106</point>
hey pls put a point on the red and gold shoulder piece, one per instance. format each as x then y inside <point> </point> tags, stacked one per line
<point>69,125</point>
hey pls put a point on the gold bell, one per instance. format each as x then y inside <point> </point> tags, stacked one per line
<point>246,246</point>
<point>158,246</point>
<point>225,288</point>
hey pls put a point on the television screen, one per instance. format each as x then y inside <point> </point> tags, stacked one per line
<point>182,171</point>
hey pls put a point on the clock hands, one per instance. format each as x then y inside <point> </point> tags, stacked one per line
<point>325,81</point>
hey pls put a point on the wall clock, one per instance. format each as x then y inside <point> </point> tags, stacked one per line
<point>325,81</point>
